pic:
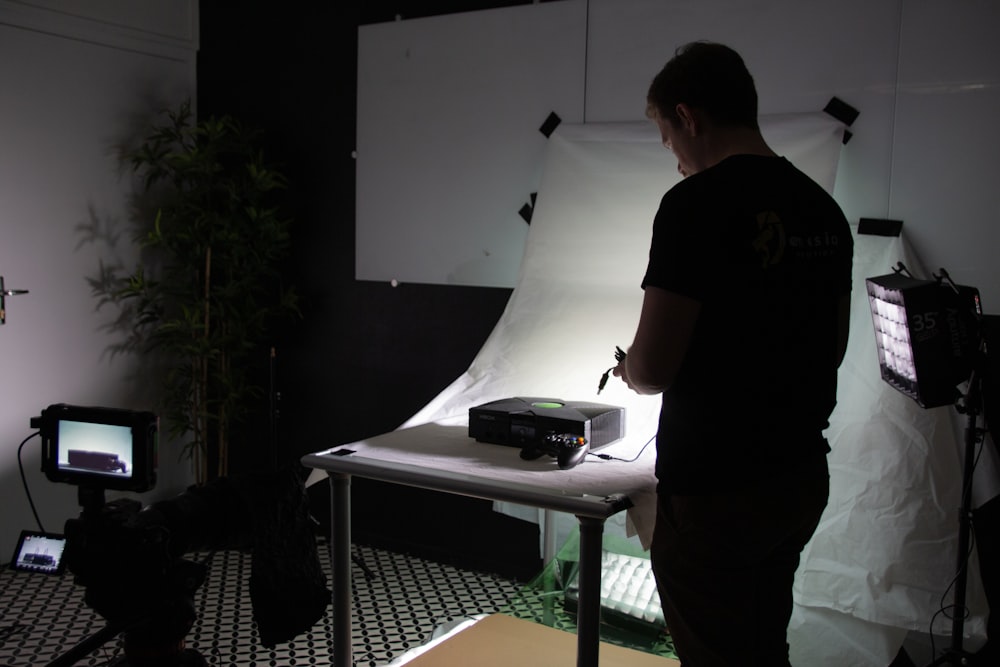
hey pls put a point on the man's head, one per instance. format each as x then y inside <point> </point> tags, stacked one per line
<point>709,78</point>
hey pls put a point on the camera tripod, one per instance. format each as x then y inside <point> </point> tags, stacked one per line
<point>130,579</point>
<point>139,651</point>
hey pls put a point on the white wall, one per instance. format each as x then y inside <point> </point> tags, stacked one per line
<point>925,75</point>
<point>76,80</point>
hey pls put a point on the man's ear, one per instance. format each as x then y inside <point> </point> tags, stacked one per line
<point>690,120</point>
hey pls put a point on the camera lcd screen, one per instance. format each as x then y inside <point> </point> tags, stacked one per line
<point>39,552</point>
<point>102,449</point>
<point>105,448</point>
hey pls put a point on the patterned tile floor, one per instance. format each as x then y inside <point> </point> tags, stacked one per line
<point>396,609</point>
<point>42,617</point>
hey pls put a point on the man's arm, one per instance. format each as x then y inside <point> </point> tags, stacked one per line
<point>666,324</point>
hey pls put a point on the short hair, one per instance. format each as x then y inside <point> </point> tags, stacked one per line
<point>707,76</point>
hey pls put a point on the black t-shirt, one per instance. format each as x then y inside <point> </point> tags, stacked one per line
<point>767,252</point>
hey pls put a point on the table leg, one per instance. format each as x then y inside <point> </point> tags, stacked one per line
<point>548,579</point>
<point>549,536</point>
<point>340,563</point>
<point>588,615</point>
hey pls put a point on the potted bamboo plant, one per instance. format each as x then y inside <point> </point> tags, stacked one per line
<point>208,285</point>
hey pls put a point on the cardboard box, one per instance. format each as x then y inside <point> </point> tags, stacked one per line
<point>502,641</point>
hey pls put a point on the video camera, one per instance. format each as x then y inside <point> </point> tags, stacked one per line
<point>130,558</point>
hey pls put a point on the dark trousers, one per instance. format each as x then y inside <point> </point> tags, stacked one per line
<point>725,564</point>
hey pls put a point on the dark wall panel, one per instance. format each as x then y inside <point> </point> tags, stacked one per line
<point>365,356</point>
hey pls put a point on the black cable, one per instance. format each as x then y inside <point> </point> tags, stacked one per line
<point>946,609</point>
<point>608,457</point>
<point>604,379</point>
<point>619,357</point>
<point>14,628</point>
<point>24,480</point>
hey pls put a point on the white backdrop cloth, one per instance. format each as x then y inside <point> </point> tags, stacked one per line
<point>884,552</point>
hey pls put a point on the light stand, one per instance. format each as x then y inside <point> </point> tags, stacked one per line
<point>955,654</point>
<point>930,337</point>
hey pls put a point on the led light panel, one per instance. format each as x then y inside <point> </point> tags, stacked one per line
<point>926,333</point>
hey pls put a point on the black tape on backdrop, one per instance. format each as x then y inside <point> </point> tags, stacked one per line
<point>843,112</point>
<point>550,124</point>
<point>547,128</point>
<point>880,227</point>
<point>528,209</point>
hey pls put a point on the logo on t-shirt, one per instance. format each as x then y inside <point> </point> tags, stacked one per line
<point>769,243</point>
<point>815,246</point>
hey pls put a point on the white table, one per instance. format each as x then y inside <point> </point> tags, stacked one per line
<point>441,457</point>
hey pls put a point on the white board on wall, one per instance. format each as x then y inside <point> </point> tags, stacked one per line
<point>449,145</point>
<point>945,140</point>
<point>800,54</point>
<point>448,110</point>
<point>446,159</point>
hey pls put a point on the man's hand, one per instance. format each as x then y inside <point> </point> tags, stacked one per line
<point>666,325</point>
<point>621,371</point>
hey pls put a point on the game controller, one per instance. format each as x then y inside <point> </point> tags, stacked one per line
<point>567,448</point>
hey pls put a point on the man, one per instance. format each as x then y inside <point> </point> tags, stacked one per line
<point>743,325</point>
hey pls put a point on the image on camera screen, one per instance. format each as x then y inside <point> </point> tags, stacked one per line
<point>104,449</point>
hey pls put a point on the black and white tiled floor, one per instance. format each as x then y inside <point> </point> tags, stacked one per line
<point>42,617</point>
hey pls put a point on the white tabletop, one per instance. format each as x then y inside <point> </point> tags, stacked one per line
<point>441,455</point>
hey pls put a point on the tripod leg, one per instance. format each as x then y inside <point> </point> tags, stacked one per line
<point>369,575</point>
<point>87,646</point>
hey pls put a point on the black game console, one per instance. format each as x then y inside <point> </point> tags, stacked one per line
<point>546,425</point>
